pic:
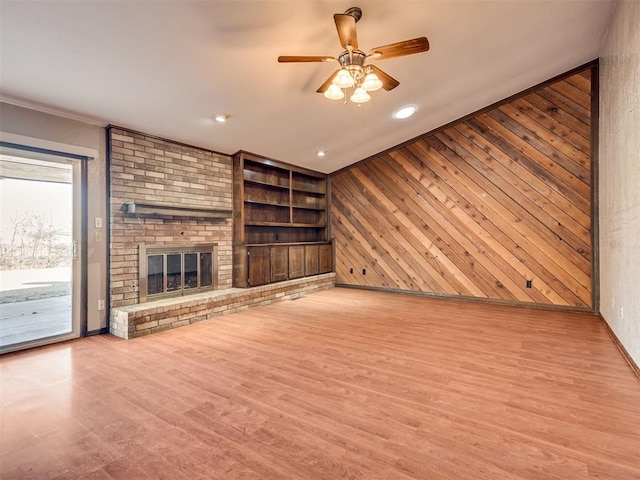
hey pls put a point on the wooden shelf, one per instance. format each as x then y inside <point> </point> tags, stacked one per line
<point>308,183</point>
<point>266,184</point>
<point>309,225</point>
<point>284,244</point>
<point>286,224</point>
<point>273,204</point>
<point>267,224</point>
<point>166,210</point>
<point>281,217</point>
<point>284,205</point>
<point>305,207</point>
<point>309,192</point>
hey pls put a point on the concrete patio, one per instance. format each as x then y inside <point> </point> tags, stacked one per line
<point>34,304</point>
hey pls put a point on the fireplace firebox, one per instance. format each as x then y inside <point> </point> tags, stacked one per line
<point>174,270</point>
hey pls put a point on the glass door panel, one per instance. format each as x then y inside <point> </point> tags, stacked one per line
<point>174,272</point>
<point>38,251</point>
<point>190,270</point>
<point>206,270</point>
<point>155,274</point>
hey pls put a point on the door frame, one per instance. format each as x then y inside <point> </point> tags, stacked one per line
<point>19,145</point>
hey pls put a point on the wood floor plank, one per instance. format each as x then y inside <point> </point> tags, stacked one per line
<point>338,384</point>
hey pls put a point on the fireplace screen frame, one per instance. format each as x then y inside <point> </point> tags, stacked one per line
<point>164,250</point>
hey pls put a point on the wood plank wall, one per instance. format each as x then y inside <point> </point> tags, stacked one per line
<point>478,207</point>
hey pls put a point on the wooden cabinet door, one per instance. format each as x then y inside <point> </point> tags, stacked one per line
<point>279,259</point>
<point>296,261</point>
<point>311,265</point>
<point>258,259</point>
<point>325,257</point>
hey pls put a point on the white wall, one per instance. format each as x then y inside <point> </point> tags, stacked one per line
<point>619,176</point>
<point>43,126</point>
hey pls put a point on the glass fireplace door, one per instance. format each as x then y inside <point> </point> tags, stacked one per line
<point>167,271</point>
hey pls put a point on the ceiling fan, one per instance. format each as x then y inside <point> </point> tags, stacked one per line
<point>354,71</point>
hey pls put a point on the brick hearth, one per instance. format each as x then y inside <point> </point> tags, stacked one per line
<point>151,317</point>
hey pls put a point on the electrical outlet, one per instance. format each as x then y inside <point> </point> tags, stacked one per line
<point>98,222</point>
<point>364,271</point>
<point>529,283</point>
<point>100,304</point>
<point>351,270</point>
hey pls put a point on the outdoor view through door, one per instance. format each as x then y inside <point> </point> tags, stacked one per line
<point>36,250</point>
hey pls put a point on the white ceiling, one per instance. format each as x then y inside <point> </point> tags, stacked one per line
<point>164,67</point>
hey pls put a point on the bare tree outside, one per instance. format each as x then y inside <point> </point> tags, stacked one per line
<point>36,242</point>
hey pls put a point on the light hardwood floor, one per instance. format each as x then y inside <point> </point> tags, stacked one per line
<point>338,384</point>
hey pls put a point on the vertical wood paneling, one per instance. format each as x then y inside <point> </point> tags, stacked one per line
<point>479,207</point>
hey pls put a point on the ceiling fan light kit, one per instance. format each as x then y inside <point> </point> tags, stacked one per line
<point>343,79</point>
<point>371,82</point>
<point>360,96</point>
<point>353,73</point>
<point>334,92</point>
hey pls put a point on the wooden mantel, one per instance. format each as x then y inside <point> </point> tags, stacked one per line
<point>165,210</point>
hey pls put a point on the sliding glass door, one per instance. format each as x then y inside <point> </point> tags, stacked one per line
<point>39,250</point>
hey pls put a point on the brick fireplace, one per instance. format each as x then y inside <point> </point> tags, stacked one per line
<point>177,200</point>
<point>183,197</point>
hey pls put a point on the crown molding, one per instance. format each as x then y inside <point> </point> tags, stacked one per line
<point>59,112</point>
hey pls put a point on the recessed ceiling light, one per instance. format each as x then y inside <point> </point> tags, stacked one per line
<point>221,117</point>
<point>405,112</point>
<point>321,153</point>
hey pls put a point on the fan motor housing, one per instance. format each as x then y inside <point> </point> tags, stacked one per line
<point>357,57</point>
<point>353,62</point>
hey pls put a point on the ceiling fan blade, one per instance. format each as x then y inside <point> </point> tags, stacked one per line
<point>408,47</point>
<point>346,25</point>
<point>327,82</point>
<point>303,58</point>
<point>388,82</point>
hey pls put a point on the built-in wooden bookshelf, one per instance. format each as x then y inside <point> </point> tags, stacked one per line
<point>280,221</point>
